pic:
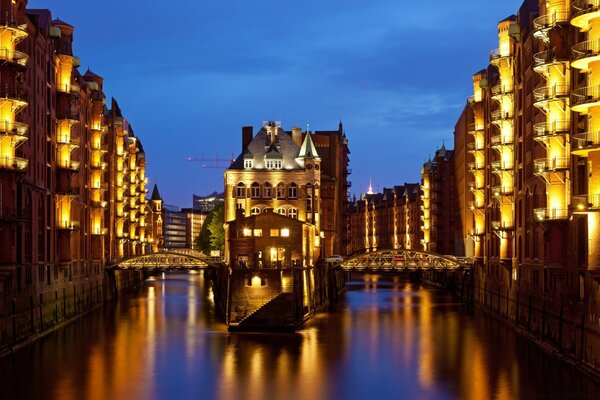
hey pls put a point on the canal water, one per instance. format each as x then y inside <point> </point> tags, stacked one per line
<point>388,338</point>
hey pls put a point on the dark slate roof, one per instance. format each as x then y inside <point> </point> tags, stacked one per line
<point>511,17</point>
<point>155,194</point>
<point>62,23</point>
<point>90,74</point>
<point>115,108</point>
<point>260,146</point>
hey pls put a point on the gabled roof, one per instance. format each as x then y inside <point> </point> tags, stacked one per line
<point>261,148</point>
<point>308,149</point>
<point>155,194</point>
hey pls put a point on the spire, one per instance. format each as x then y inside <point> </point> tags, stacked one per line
<point>155,195</point>
<point>370,191</point>
<point>308,149</point>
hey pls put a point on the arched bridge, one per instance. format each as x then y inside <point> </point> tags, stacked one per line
<point>402,260</point>
<point>168,259</point>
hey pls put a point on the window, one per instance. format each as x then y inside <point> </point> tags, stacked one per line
<point>247,232</point>
<point>267,190</point>
<point>281,211</point>
<point>255,210</point>
<point>241,190</point>
<point>255,190</point>
<point>292,191</point>
<point>258,232</point>
<point>309,204</point>
<point>285,232</point>
<point>274,164</point>
<point>281,191</point>
<point>293,213</point>
<point>274,232</point>
<point>248,164</point>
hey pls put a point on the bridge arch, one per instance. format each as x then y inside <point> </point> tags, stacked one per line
<point>169,259</point>
<point>401,260</point>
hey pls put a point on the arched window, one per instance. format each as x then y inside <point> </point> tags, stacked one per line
<point>240,190</point>
<point>309,198</point>
<point>293,213</point>
<point>255,210</point>
<point>267,191</point>
<point>281,191</point>
<point>292,191</point>
<point>255,190</point>
<point>281,211</point>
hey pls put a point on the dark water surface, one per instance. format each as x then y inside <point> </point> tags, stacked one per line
<point>388,338</point>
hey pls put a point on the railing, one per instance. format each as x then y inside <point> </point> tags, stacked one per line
<point>501,89</point>
<point>553,128</point>
<point>66,140</point>
<point>586,140</point>
<point>474,205</point>
<point>542,165</point>
<point>475,165</point>
<point>581,7</point>
<point>589,48</point>
<point>15,128</point>
<point>98,204</point>
<point>99,231</point>
<point>584,95</point>
<point>14,214</point>
<point>14,163</point>
<point>473,185</point>
<point>503,139</point>
<point>498,115</point>
<point>472,129</point>
<point>99,186</point>
<point>68,225</point>
<point>543,214</point>
<point>474,146</point>
<point>496,55</point>
<point>547,57</point>
<point>13,56</point>
<point>476,232</point>
<point>71,165</point>
<point>502,190</point>
<point>548,21</point>
<point>503,165</point>
<point>502,225</point>
<point>584,202</point>
<point>555,92</point>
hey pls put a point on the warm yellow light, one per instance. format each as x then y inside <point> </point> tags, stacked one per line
<point>247,232</point>
<point>580,206</point>
<point>285,232</point>
<point>255,281</point>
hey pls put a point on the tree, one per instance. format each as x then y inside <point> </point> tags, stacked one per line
<point>213,223</point>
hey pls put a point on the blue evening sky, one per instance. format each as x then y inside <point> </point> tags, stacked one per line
<point>189,74</point>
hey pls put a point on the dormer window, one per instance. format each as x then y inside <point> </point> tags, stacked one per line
<point>248,164</point>
<point>274,164</point>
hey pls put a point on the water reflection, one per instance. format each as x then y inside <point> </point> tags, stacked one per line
<point>389,338</point>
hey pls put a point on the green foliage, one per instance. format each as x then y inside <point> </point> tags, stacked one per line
<point>212,234</point>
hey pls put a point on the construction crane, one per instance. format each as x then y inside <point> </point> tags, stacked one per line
<point>216,163</point>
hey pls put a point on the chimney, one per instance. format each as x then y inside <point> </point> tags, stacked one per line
<point>297,136</point>
<point>247,134</point>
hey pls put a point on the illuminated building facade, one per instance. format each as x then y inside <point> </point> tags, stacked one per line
<point>72,184</point>
<point>277,172</point>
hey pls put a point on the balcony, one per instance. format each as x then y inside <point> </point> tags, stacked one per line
<point>98,204</point>
<point>473,166</point>
<point>72,166</point>
<point>474,147</point>
<point>584,98</point>
<point>14,57</point>
<point>542,166</point>
<point>101,165</point>
<point>503,225</point>
<point>99,231</point>
<point>473,205</point>
<point>545,59</point>
<point>584,53</point>
<point>476,232</point>
<point>17,98</point>
<point>99,186</point>
<point>545,23</point>
<point>497,56</point>
<point>585,142</point>
<point>14,214</point>
<point>501,90</point>
<point>474,187</point>
<point>586,202</point>
<point>584,11</point>
<point>18,31</point>
<point>551,214</point>
<point>68,225</point>
<point>503,165</point>
<point>500,140</point>
<point>502,191</point>
<point>18,130</point>
<point>16,164</point>
<point>473,129</point>
<point>548,130</point>
<point>542,96</point>
<point>499,117</point>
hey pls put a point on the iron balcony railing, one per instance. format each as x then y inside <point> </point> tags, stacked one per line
<point>553,128</point>
<point>502,190</point>
<point>589,48</point>
<point>500,90</point>
<point>544,214</point>
<point>475,165</point>
<point>502,139</point>
<point>14,128</point>
<point>548,57</point>
<point>68,225</point>
<point>474,186</point>
<point>473,129</point>
<point>542,165</point>
<point>581,7</point>
<point>550,93</point>
<point>476,232</point>
<point>586,140</point>
<point>499,115</point>
<point>70,165</point>
<point>549,21</point>
<point>586,202</point>
<point>473,205</point>
<point>13,56</point>
<point>99,231</point>
<point>585,95</point>
<point>474,146</point>
<point>503,165</point>
<point>497,54</point>
<point>14,163</point>
<point>502,225</point>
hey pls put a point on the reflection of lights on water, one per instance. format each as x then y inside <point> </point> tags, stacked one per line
<point>192,272</point>
<point>163,275</point>
<point>211,295</point>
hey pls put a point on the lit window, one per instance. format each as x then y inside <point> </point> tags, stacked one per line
<point>247,232</point>
<point>255,210</point>
<point>274,232</point>
<point>281,191</point>
<point>281,211</point>
<point>292,191</point>
<point>267,192</point>
<point>293,213</point>
<point>285,232</point>
<point>248,164</point>
<point>255,190</point>
<point>258,232</point>
<point>241,190</point>
<point>273,164</point>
